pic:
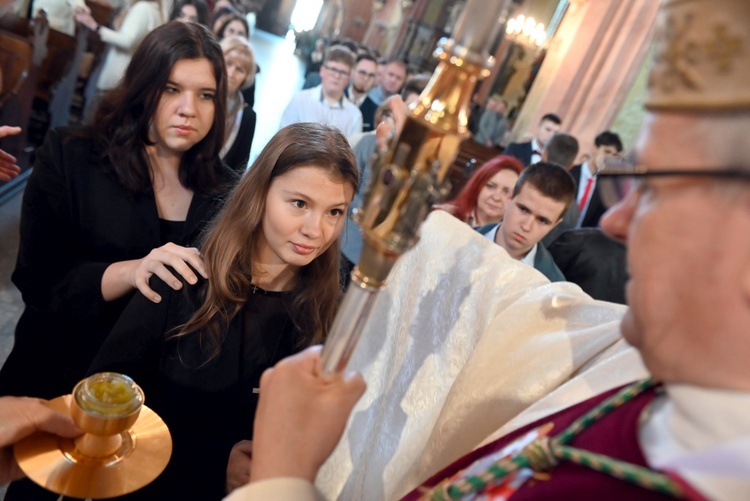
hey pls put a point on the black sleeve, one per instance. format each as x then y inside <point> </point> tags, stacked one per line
<point>136,343</point>
<point>239,154</point>
<point>49,272</point>
<point>513,150</point>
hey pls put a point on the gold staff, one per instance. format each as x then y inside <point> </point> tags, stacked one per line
<point>409,178</point>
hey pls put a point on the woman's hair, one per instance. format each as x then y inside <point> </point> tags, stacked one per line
<point>123,119</point>
<point>200,7</point>
<point>220,14</point>
<point>243,47</point>
<point>229,19</point>
<point>228,246</point>
<point>466,201</point>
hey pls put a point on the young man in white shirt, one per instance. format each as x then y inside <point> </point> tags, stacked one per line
<point>326,103</point>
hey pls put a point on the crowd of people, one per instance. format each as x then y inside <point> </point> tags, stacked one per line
<point>211,281</point>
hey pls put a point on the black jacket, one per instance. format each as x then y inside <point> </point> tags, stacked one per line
<point>592,260</point>
<point>238,155</point>
<point>192,391</point>
<point>76,220</point>
<point>595,209</point>
<point>521,151</point>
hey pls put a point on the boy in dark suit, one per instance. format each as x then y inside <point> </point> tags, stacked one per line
<point>530,152</point>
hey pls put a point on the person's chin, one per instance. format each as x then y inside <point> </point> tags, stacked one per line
<point>630,330</point>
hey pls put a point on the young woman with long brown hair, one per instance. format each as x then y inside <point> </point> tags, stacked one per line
<point>272,256</point>
<point>109,205</point>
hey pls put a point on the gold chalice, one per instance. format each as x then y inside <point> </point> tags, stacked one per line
<point>125,445</point>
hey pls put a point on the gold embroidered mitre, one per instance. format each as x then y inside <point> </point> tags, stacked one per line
<point>701,56</point>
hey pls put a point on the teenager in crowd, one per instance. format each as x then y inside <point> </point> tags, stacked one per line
<point>108,206</point>
<point>272,255</point>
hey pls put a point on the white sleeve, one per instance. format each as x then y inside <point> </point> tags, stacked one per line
<point>357,125</point>
<point>291,113</point>
<point>286,488</point>
<point>139,21</point>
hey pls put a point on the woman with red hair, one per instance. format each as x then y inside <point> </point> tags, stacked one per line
<point>485,195</point>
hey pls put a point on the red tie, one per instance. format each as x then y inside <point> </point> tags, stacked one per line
<point>586,193</point>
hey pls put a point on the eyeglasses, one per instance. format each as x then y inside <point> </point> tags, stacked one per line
<point>363,73</point>
<point>337,71</point>
<point>621,176</point>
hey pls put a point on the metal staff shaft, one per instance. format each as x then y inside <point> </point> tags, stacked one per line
<point>412,176</point>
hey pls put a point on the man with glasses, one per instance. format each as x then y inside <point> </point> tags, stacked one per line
<point>362,80</point>
<point>683,209</point>
<point>326,103</point>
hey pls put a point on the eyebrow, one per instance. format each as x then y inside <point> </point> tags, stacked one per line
<point>536,216</point>
<point>299,194</point>
<point>176,84</point>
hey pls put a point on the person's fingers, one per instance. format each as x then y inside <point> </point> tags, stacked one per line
<point>7,158</point>
<point>52,421</point>
<point>244,446</point>
<point>239,464</point>
<point>399,111</point>
<point>305,361</point>
<point>32,414</point>
<point>356,384</point>
<point>192,256</point>
<point>7,175</point>
<point>266,377</point>
<point>7,130</point>
<point>162,272</point>
<point>179,257</point>
<point>310,357</point>
<point>180,266</point>
<point>383,136</point>
<point>141,284</point>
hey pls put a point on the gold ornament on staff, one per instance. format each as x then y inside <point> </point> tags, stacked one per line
<point>125,445</point>
<point>408,179</point>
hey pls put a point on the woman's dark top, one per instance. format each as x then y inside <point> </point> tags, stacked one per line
<point>171,231</point>
<point>238,155</point>
<point>207,403</point>
<point>76,220</point>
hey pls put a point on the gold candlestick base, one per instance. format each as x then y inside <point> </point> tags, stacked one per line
<point>97,466</point>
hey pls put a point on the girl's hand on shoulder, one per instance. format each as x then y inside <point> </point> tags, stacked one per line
<point>179,258</point>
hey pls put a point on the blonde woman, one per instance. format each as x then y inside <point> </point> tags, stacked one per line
<point>240,61</point>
